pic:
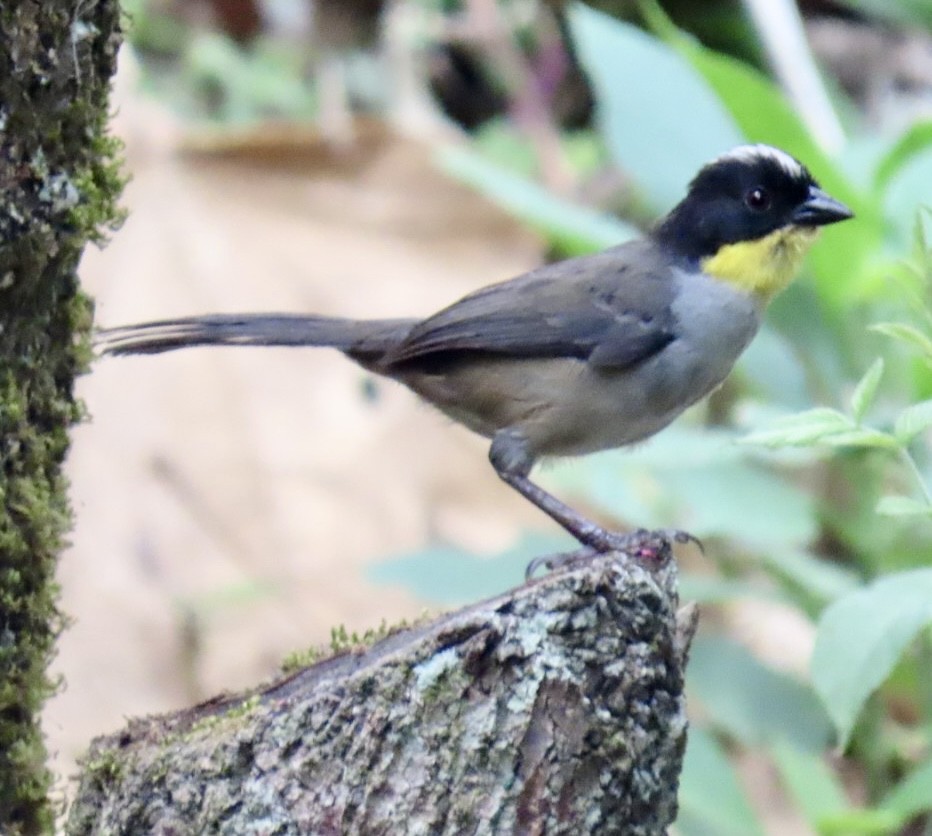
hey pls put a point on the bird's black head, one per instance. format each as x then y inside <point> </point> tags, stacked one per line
<point>745,195</point>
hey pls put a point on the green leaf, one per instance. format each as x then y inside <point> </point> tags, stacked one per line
<point>711,800</point>
<point>906,191</point>
<point>871,439</point>
<point>903,506</point>
<point>644,88</point>
<point>915,139</point>
<point>866,390</point>
<point>912,421</point>
<point>810,782</point>
<point>861,638</point>
<point>920,241</point>
<point>820,426</point>
<point>823,580</point>
<point>802,429</point>
<point>752,702</point>
<point>913,795</point>
<point>575,229</point>
<point>907,334</point>
<point>860,823</point>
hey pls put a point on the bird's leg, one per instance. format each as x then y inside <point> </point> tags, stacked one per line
<point>512,460</point>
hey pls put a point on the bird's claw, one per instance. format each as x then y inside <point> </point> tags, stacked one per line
<point>676,535</point>
<point>550,562</point>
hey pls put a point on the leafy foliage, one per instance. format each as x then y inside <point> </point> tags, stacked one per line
<point>826,510</point>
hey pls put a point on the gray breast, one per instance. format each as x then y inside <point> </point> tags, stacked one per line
<point>715,324</point>
<point>600,409</point>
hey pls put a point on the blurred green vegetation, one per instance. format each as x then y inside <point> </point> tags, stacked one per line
<point>809,476</point>
<point>826,511</point>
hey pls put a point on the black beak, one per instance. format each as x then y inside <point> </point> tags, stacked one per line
<point>818,209</point>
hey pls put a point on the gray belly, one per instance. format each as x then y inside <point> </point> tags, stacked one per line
<point>565,407</point>
<point>601,409</point>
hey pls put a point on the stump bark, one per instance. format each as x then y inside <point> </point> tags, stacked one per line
<point>555,708</point>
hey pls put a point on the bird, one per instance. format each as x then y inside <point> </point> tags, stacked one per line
<point>591,353</point>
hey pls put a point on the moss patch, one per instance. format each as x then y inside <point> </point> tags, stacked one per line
<point>59,186</point>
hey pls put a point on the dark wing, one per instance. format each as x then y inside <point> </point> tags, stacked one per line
<point>612,310</point>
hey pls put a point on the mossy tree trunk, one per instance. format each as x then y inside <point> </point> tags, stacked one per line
<point>59,184</point>
<point>557,708</point>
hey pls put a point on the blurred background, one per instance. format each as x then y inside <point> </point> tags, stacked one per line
<point>378,158</point>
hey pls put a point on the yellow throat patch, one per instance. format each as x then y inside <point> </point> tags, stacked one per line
<point>764,266</point>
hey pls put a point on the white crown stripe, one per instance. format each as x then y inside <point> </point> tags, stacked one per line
<point>754,153</point>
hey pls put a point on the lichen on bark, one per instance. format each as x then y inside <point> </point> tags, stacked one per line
<point>59,186</point>
<point>555,708</point>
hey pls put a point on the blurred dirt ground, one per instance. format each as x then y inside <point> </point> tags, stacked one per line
<point>228,501</point>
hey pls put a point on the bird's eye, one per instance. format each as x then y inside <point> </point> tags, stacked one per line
<point>758,199</point>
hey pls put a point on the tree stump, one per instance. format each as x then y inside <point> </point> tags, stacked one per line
<point>555,708</point>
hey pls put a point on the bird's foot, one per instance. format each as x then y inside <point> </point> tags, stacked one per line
<point>651,547</point>
<point>643,544</point>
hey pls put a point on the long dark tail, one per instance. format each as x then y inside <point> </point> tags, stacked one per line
<point>364,340</point>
